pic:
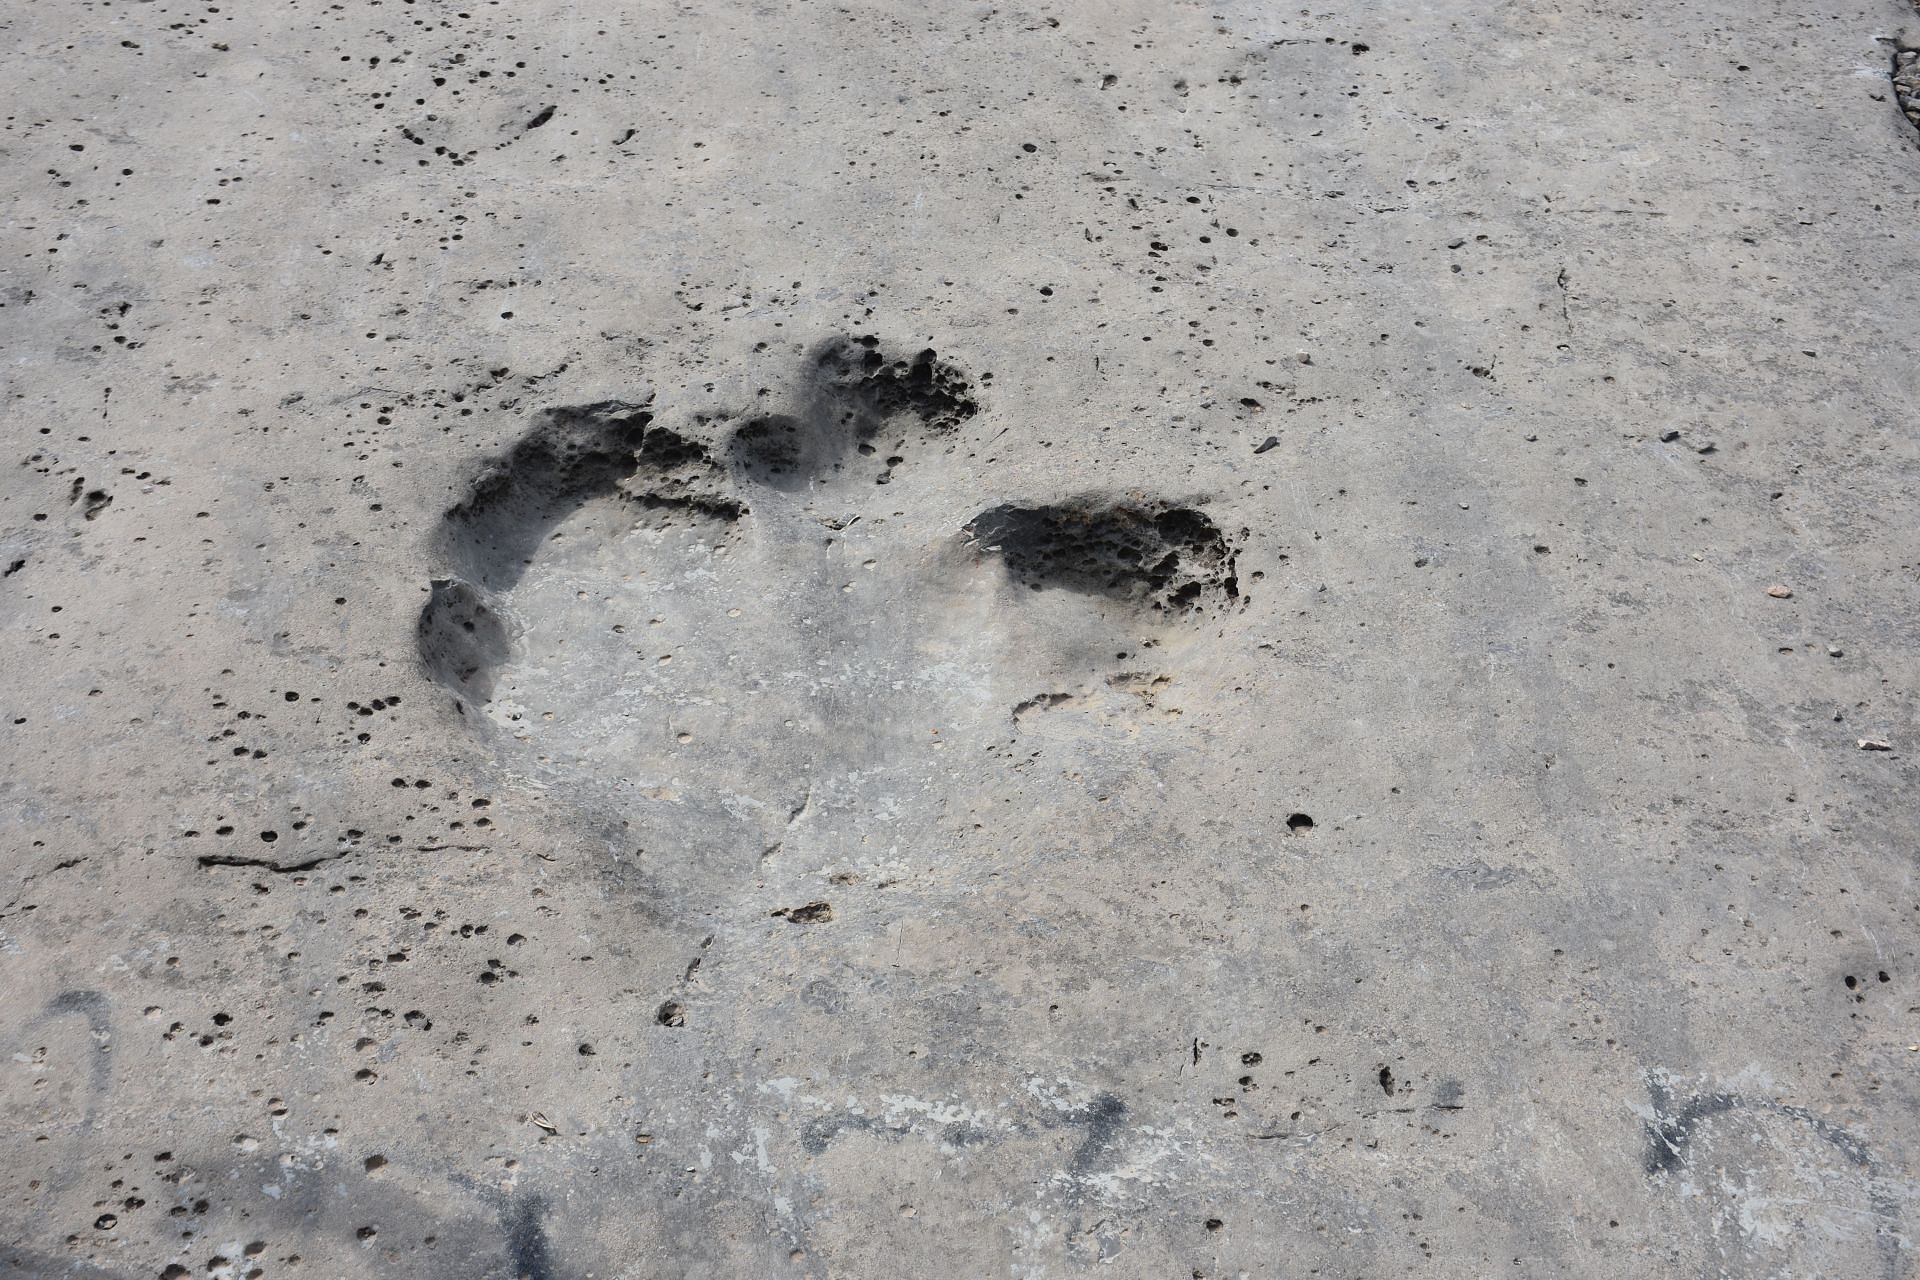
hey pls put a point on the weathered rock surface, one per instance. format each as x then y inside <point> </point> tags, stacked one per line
<point>925,640</point>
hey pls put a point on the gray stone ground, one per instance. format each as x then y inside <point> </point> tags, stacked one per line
<point>1297,772</point>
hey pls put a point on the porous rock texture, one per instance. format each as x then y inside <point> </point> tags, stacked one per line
<point>881,639</point>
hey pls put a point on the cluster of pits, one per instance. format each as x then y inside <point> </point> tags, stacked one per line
<point>1171,558</point>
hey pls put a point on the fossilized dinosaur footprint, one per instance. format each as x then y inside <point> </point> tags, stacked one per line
<point>798,608</point>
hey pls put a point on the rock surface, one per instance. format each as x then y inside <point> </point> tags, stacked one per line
<point>870,640</point>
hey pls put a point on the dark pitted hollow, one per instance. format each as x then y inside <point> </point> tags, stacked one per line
<point>1169,558</point>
